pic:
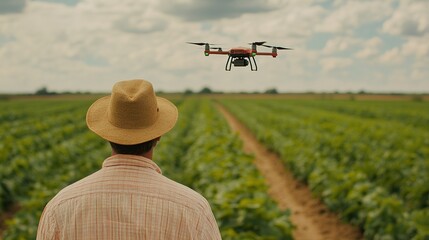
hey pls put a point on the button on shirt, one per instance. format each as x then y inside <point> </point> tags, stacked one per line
<point>128,198</point>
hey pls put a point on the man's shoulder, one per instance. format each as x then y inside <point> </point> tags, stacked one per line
<point>73,190</point>
<point>180,193</point>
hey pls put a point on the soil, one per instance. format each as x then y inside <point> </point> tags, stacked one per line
<point>312,219</point>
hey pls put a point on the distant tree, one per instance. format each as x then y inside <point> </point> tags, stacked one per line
<point>42,91</point>
<point>188,92</point>
<point>4,97</point>
<point>206,90</point>
<point>271,91</point>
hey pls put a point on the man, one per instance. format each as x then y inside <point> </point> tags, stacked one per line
<point>129,198</point>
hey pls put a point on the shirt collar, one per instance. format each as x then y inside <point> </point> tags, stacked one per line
<point>130,160</point>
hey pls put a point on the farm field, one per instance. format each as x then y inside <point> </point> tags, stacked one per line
<point>368,161</point>
<point>48,147</point>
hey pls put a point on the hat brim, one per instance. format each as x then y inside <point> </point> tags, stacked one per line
<point>97,121</point>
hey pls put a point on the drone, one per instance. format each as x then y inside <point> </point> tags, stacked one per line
<point>240,56</point>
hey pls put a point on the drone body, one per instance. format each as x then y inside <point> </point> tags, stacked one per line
<point>240,56</point>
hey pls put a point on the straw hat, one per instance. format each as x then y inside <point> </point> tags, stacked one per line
<point>132,114</point>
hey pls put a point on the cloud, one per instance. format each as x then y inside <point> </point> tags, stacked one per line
<point>370,48</point>
<point>391,56</point>
<point>332,63</point>
<point>411,18</point>
<point>421,71</point>
<point>418,47</point>
<point>140,23</point>
<point>339,44</point>
<point>414,50</point>
<point>66,2</point>
<point>12,6</point>
<point>201,10</point>
<point>288,26</point>
<point>351,14</point>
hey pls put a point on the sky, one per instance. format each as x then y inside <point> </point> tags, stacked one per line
<point>339,45</point>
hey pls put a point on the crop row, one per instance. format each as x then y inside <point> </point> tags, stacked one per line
<point>372,171</point>
<point>25,110</point>
<point>35,126</point>
<point>414,114</point>
<point>203,153</point>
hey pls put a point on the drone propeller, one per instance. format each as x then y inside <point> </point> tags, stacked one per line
<point>218,48</point>
<point>276,47</point>
<point>201,43</point>
<point>197,43</point>
<point>257,43</point>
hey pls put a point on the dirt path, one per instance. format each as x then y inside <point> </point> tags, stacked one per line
<point>312,219</point>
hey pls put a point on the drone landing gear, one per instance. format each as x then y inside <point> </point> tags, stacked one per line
<point>241,62</point>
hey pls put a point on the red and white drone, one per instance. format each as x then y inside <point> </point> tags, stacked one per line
<point>241,56</point>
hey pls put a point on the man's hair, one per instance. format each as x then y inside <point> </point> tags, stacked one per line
<point>136,149</point>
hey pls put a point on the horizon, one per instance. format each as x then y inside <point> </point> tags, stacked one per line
<point>214,91</point>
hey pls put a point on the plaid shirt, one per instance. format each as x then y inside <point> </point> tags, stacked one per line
<point>128,198</point>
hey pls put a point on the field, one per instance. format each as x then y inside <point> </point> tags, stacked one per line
<point>366,160</point>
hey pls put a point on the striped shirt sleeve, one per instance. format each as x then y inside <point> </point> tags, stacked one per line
<point>48,228</point>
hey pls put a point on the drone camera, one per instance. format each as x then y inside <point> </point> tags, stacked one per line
<point>240,62</point>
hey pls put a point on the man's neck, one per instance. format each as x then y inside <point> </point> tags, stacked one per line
<point>148,155</point>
